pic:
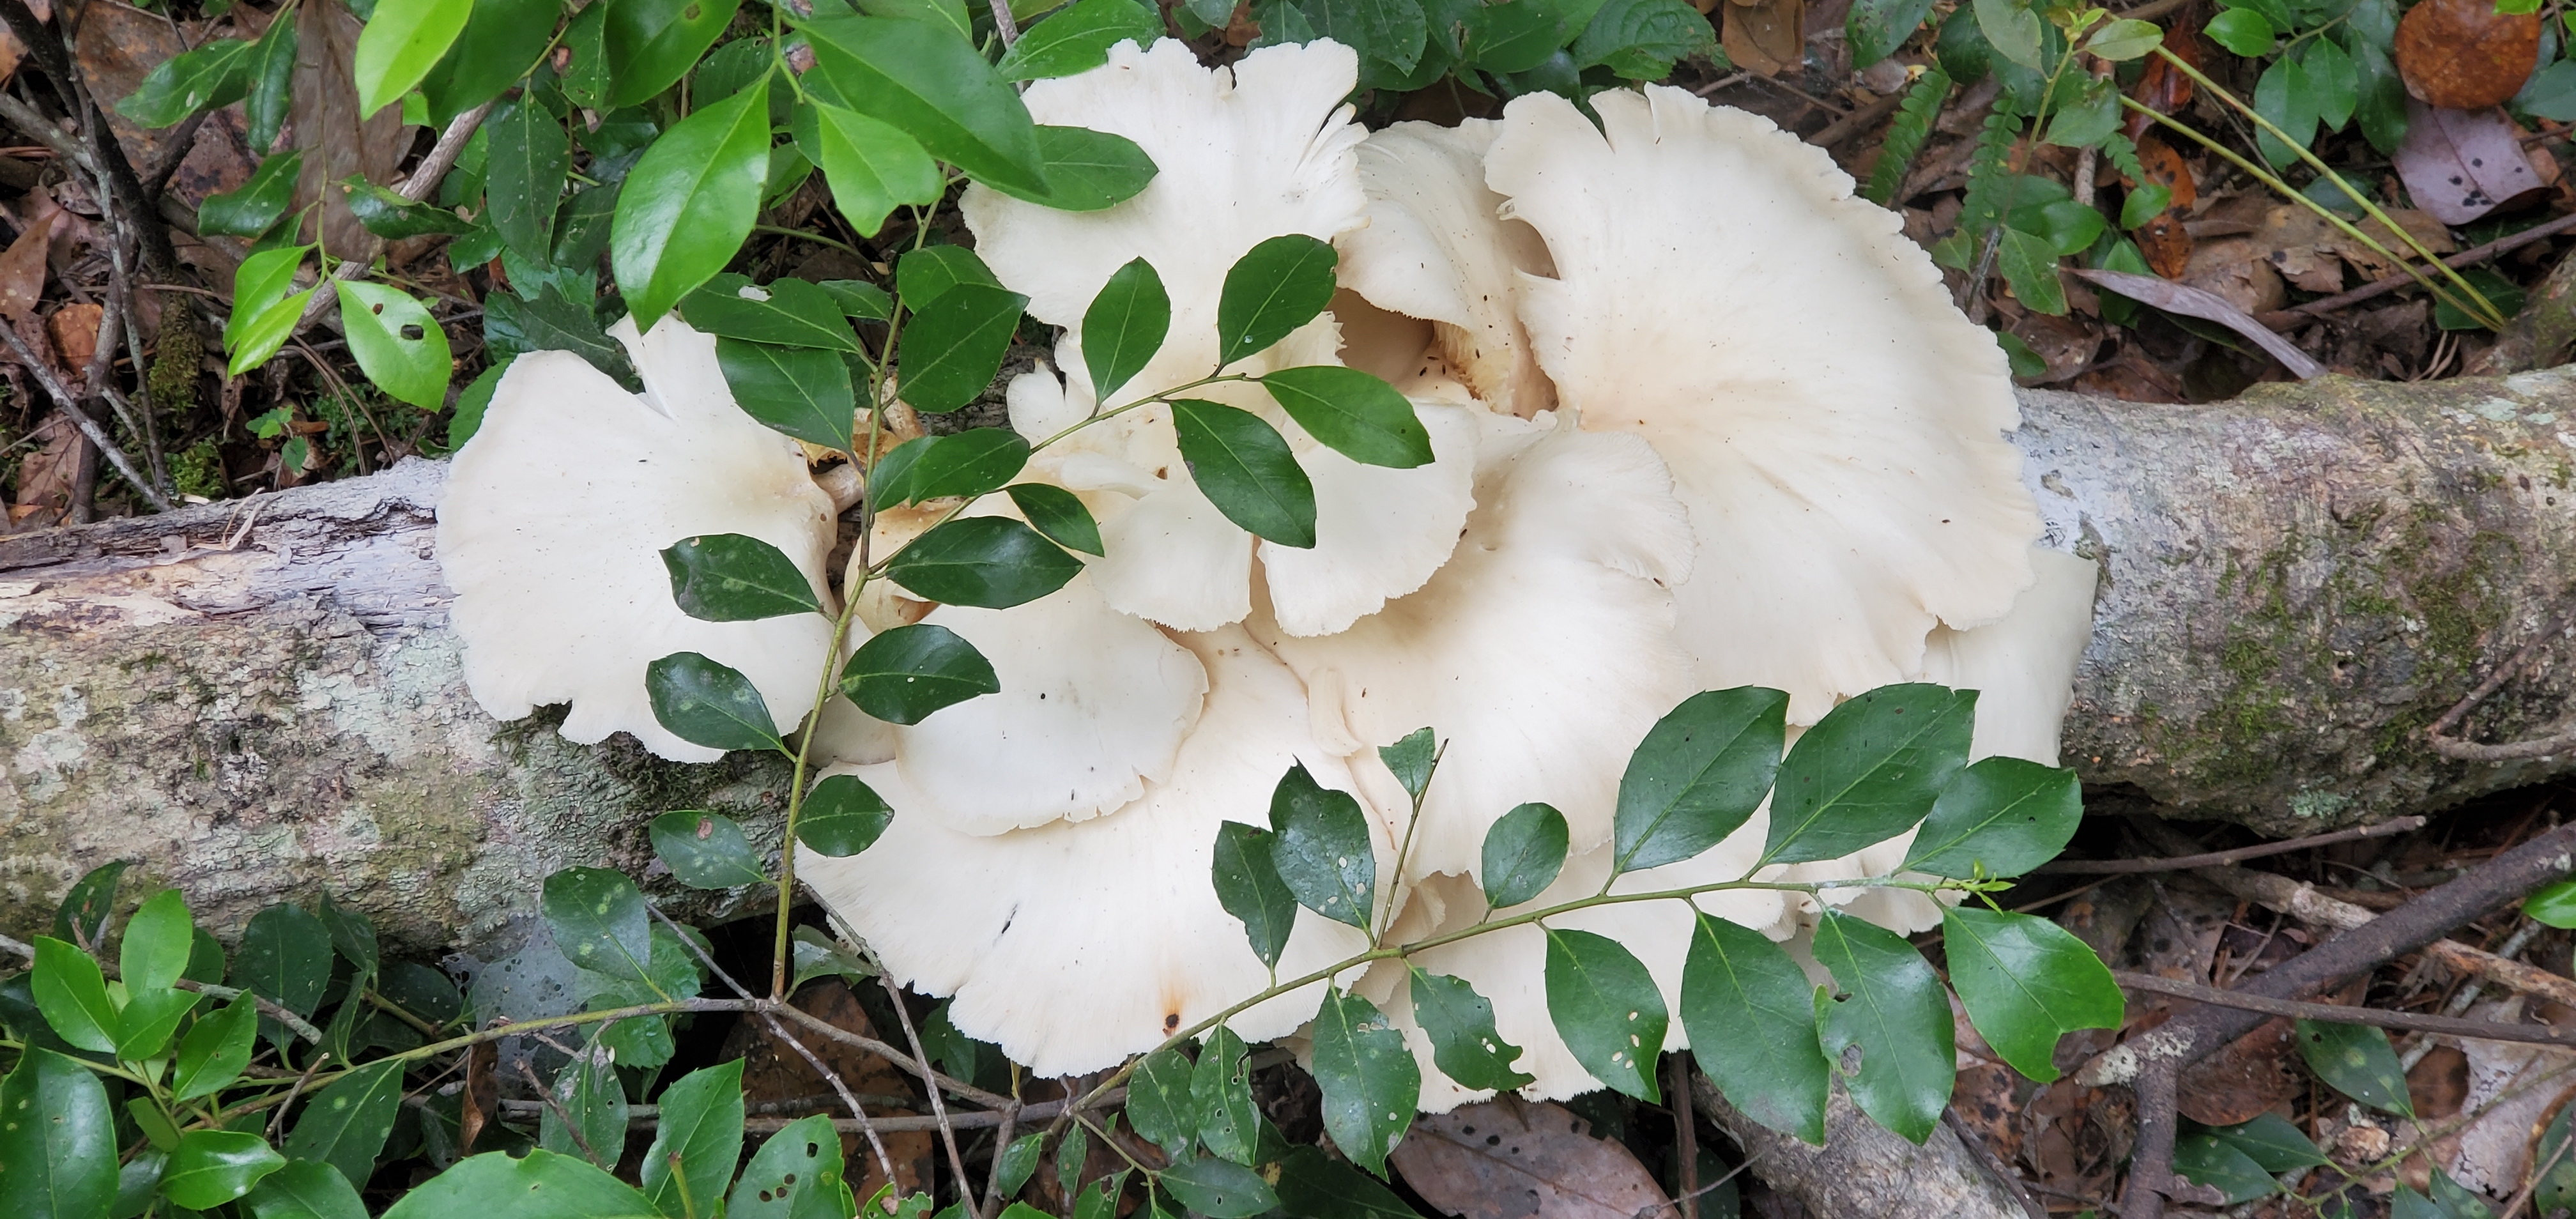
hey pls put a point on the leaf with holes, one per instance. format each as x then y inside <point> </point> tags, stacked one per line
<point>1607,1008</point>
<point>1895,1010</point>
<point>2026,982</point>
<point>398,344</point>
<point>1221,1091</point>
<point>1370,1082</point>
<point>1219,1189</point>
<point>706,851</point>
<point>796,1173</point>
<point>903,675</point>
<point>1322,850</point>
<point>1460,1024</point>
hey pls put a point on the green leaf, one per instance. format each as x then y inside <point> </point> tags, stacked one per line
<point>1019,1161</point>
<point>598,920</point>
<point>1643,39</point>
<point>651,44</point>
<point>397,343</point>
<point>2029,266</point>
<point>285,958</point>
<point>860,299</point>
<point>1315,1185</point>
<point>1077,38</point>
<point>1523,853</point>
<point>554,322</point>
<point>271,77</point>
<point>931,85</point>
<point>1070,1154</point>
<point>2272,1142</point>
<point>588,81</point>
<point>2503,293</point>
<point>842,817</point>
<point>2145,203</point>
<point>871,166</point>
<point>732,577</point>
<point>1246,469</point>
<point>216,74</point>
<point>1512,37</point>
<point>1411,760</point>
<point>1608,1010</point>
<point>1370,1082</point>
<point>965,464</point>
<point>249,209</point>
<point>82,916</point>
<point>2553,904</point>
<point>542,1185</point>
<point>1868,771</point>
<point>801,391</point>
<point>353,935</point>
<point>1128,321</point>
<point>926,274</point>
<point>2357,1061</point>
<point>57,1140</point>
<point>992,562</point>
<point>1274,288</point>
<point>2286,97</point>
<point>2084,120</point>
<point>1391,30</point>
<point>1698,775</point>
<point>688,204</point>
<point>214,1052</point>
<point>796,1173</point>
<point>1059,515</point>
<point>158,939</point>
<point>72,993</point>
<point>1460,1024</point>
<point>1219,1189</point>
<point>1751,1015</point>
<point>709,704</point>
<point>1353,413</point>
<point>1221,1091</point>
<point>345,1126</point>
<point>1249,887</point>
<point>265,306</point>
<point>302,1189</point>
<point>1895,1010</point>
<point>143,1029</point>
<point>2242,31</point>
<point>696,1142</point>
<point>1160,1106</point>
<point>903,675</point>
<point>2026,982</point>
<point>2012,29</point>
<point>1087,170</point>
<point>1999,817</point>
<point>786,312</point>
<point>529,160</point>
<point>2125,39</point>
<point>955,344</point>
<point>213,1167</point>
<point>501,42</point>
<point>705,850</point>
<point>1877,27</point>
<point>2204,1159</point>
<point>390,216</point>
<point>402,41</point>
<point>1322,850</point>
<point>2381,109</point>
<point>589,1114</point>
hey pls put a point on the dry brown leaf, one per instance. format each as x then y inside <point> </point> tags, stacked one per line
<point>2312,253</point>
<point>480,1100</point>
<point>74,331</point>
<point>44,493</point>
<point>2512,1089</point>
<point>2065,344</point>
<point>2162,87</point>
<point>22,269</point>
<point>2208,306</point>
<point>2235,271</point>
<point>117,46</point>
<point>1511,1159</point>
<point>2464,55</point>
<point>2462,164</point>
<point>1766,36</point>
<point>2243,1080</point>
<point>336,142</point>
<point>773,1071</point>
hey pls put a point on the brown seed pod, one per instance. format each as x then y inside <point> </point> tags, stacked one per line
<point>2463,55</point>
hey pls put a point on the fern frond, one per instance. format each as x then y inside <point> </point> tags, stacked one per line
<point>1989,178</point>
<point>1905,136</point>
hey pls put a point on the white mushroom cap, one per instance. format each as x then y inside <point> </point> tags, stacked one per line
<point>1437,248</point>
<point>2023,666</point>
<point>1834,426</point>
<point>1093,706</point>
<point>1542,651</point>
<point>555,516</point>
<point>1074,945</point>
<point>1371,539</point>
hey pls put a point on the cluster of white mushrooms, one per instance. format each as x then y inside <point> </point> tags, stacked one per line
<point>1701,420</point>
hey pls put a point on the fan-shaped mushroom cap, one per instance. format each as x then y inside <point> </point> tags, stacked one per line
<point>555,516</point>
<point>1437,248</point>
<point>1542,650</point>
<point>1832,423</point>
<point>1074,945</point>
<point>1093,706</point>
<point>2024,665</point>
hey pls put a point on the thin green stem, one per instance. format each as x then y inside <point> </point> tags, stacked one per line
<point>817,238</point>
<point>796,796</point>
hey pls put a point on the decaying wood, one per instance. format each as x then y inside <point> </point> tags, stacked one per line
<point>260,700</point>
<point>1863,1169</point>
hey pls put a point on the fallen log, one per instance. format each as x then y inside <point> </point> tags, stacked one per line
<point>259,700</point>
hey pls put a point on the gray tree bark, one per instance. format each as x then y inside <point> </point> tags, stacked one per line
<point>260,700</point>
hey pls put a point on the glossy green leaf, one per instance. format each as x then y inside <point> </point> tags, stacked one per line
<point>1019,1161</point>
<point>213,1167</point>
<point>1394,31</point>
<point>889,479</point>
<point>705,850</point>
<point>57,1140</point>
<point>1353,413</point>
<point>1160,1105</point>
<point>1274,288</point>
<point>402,41</point>
<point>1071,1152</point>
<point>651,44</point>
<point>216,74</point>
<point>265,331</point>
<point>934,87</point>
<point>965,464</point>
<point>2334,83</point>
<point>345,1125</point>
<point>1322,850</point>
<point>1877,27</point>
<point>397,343</point>
<point>269,80</point>
<point>302,1189</point>
<point>709,704</point>
<point>955,344</point>
<point>71,991</point>
<point>1411,760</point>
<point>1249,887</point>
<point>796,1173</point>
<point>2026,982</point>
<point>82,916</point>
<point>1698,775</point>
<point>285,958</point>
<point>588,1115</point>
<point>528,162</point>
<point>2012,30</point>
<point>2203,1159</point>
<point>1751,1015</point>
<point>2357,1061</point>
<point>588,80</point>
<point>1221,1090</point>
<point>1087,170</point>
<point>1607,1008</point>
<point>2125,39</point>
<point>266,306</point>
<point>842,817</point>
<point>859,299</point>
<point>158,939</point>
<point>1246,469</point>
<point>697,1141</point>
<point>215,1050</point>
<point>251,208</point>
<point>1059,515</point>
<point>1514,36</point>
<point>1868,771</point>
<point>1460,1024</point>
<point>1128,321</point>
<point>390,216</point>
<point>598,919</point>
<point>1370,1082</point>
<point>732,577</point>
<point>1895,1010</point>
<point>353,935</point>
<point>2272,1142</point>
<point>1077,38</point>
<point>904,675</point>
<point>2086,119</point>
<point>801,391</point>
<point>2242,31</point>
<point>540,1185</point>
<point>2028,263</point>
<point>144,1028</point>
<point>1524,851</point>
<point>871,166</point>
<point>1219,1189</point>
<point>1312,1183</point>
<point>501,42</point>
<point>786,312</point>
<point>688,204</point>
<point>2553,904</point>
<point>554,322</point>
<point>991,562</point>
<point>1642,39</point>
<point>1998,817</point>
<point>926,274</point>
